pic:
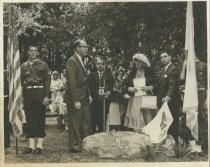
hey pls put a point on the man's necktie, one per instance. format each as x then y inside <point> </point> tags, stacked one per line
<point>100,75</point>
<point>100,79</point>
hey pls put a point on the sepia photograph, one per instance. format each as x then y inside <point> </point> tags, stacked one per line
<point>105,82</point>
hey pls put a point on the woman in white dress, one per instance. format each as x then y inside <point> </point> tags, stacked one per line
<point>136,117</point>
<point>114,116</point>
<point>57,89</point>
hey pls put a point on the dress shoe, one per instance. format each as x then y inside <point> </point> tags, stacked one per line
<point>27,151</point>
<point>37,151</point>
<point>74,150</point>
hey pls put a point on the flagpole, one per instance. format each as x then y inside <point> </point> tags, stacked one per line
<point>104,124</point>
<point>16,139</point>
<point>104,119</point>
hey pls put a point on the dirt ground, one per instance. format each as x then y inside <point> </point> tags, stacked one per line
<point>56,151</point>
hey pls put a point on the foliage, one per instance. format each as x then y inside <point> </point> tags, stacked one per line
<point>181,150</point>
<point>150,152</point>
<point>115,30</point>
<point>133,27</point>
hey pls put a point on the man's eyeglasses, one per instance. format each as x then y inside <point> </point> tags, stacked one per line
<point>83,46</point>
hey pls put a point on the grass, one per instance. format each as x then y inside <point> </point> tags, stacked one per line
<point>56,151</point>
<point>181,150</point>
<point>150,153</point>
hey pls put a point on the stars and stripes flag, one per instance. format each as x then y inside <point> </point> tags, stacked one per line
<point>15,90</point>
<point>190,103</point>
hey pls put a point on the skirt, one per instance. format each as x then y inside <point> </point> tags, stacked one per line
<point>136,117</point>
<point>114,114</point>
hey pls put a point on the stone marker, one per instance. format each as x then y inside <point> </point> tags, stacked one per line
<point>121,144</point>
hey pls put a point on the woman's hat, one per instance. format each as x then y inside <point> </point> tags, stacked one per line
<point>142,58</point>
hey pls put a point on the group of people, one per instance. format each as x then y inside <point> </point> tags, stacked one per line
<point>102,100</point>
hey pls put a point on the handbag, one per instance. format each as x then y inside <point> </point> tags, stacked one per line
<point>149,101</point>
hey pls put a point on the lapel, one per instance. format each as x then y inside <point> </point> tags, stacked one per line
<point>167,70</point>
<point>165,73</point>
<point>81,66</point>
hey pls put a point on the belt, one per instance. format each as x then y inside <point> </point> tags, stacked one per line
<point>201,89</point>
<point>31,87</point>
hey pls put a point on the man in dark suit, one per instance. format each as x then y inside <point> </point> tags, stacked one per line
<point>101,84</point>
<point>77,97</point>
<point>168,91</point>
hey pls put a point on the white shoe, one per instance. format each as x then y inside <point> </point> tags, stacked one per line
<point>198,147</point>
<point>193,147</point>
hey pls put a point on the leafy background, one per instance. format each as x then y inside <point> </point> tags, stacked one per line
<point>114,30</point>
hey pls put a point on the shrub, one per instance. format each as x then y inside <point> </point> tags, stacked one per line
<point>150,152</point>
<point>181,150</point>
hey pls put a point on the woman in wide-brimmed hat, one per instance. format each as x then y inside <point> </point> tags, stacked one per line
<point>136,117</point>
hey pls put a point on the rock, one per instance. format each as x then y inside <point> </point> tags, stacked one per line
<point>121,144</point>
<point>116,144</point>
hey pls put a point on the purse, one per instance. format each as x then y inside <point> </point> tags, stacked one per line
<point>149,101</point>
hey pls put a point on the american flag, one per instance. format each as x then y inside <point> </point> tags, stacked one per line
<point>15,91</point>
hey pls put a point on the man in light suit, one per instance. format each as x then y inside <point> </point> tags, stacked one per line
<point>77,97</point>
<point>168,91</point>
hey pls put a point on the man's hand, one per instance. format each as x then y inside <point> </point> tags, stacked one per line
<point>166,99</point>
<point>90,99</point>
<point>127,96</point>
<point>77,105</point>
<point>107,94</point>
<point>46,101</point>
